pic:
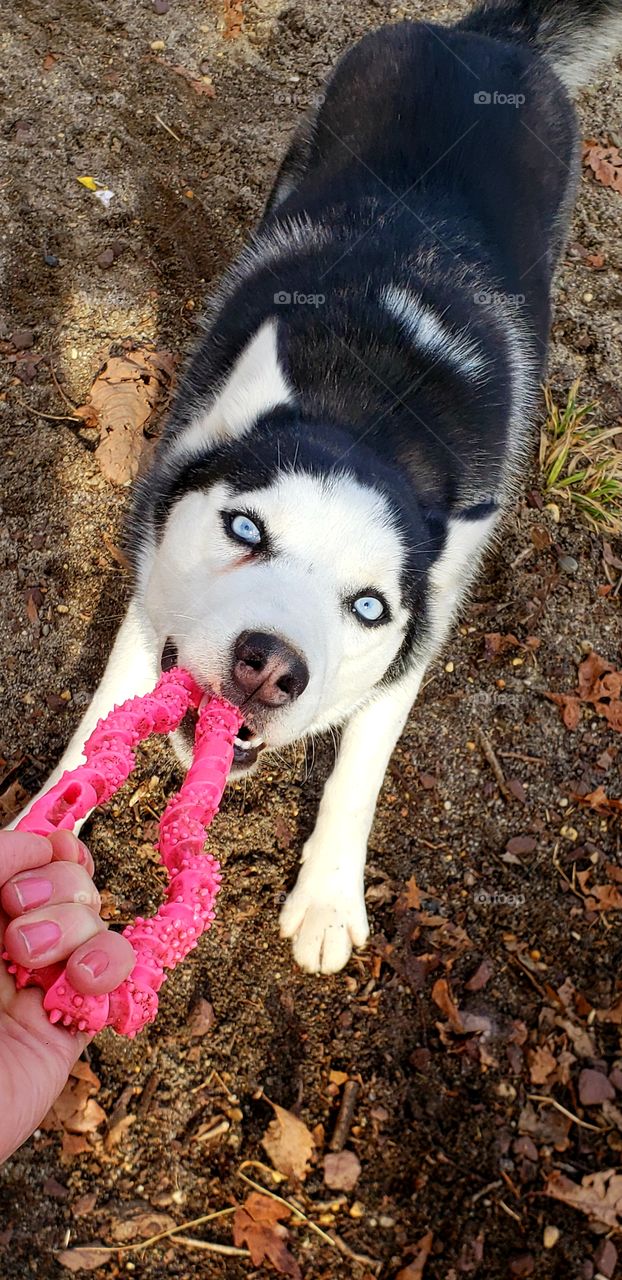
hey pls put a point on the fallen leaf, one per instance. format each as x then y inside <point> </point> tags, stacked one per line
<point>605,163</point>
<point>202,87</point>
<point>410,897</point>
<point>442,996</point>
<point>234,19</point>
<point>496,644</point>
<point>201,1019</point>
<point>142,1226</point>
<point>482,975</point>
<point>288,1143</point>
<point>257,1224</point>
<point>122,403</point>
<point>414,1269</point>
<point>86,1258</point>
<point>12,800</point>
<point>599,1195</point>
<point>342,1170</point>
<point>542,1064</point>
<point>600,686</point>
<point>75,1110</point>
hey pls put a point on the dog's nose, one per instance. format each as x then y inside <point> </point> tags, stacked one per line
<point>266,667</point>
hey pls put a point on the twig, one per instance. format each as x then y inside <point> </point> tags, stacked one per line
<point>61,393</point>
<point>167,127</point>
<point>346,1115</point>
<point>489,755</point>
<point>552,1102</point>
<point>162,1235</point>
<point>362,1258</point>
<point>210,1247</point>
<point>518,755</point>
<point>509,1211</point>
<point>53,417</point>
<point>484,1190</point>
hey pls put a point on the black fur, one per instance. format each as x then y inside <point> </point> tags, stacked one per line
<point>406,176</point>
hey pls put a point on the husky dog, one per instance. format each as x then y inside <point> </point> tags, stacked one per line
<point>357,413</point>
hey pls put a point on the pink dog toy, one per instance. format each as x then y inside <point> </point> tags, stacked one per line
<point>163,941</point>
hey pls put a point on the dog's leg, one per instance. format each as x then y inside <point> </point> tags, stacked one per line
<point>325,913</point>
<point>131,670</point>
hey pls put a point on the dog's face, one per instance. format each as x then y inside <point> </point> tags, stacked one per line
<point>288,599</point>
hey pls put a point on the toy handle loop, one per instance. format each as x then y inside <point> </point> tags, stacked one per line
<point>164,940</point>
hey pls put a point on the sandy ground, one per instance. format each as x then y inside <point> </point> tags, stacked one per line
<point>436,1127</point>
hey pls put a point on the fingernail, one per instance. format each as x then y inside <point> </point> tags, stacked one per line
<point>32,891</point>
<point>95,963</point>
<point>39,937</point>
<point>83,854</point>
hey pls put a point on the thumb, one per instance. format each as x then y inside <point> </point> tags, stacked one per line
<point>99,965</point>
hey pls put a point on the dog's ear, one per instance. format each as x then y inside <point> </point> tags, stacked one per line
<point>255,385</point>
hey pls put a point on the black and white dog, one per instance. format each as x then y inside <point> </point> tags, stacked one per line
<point>357,413</point>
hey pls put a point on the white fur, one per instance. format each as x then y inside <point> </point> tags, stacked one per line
<point>331,538</point>
<point>428,332</point>
<point>255,385</point>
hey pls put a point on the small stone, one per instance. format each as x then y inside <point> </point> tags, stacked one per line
<point>594,1088</point>
<point>550,1237</point>
<point>50,260</point>
<point>342,1170</point>
<point>158,46</point>
<point>357,1210</point>
<point>23,339</point>
<point>568,564</point>
<point>615,1075</point>
<point>523,1265</point>
<point>105,259</point>
<point>160,7</point>
<point>606,1258</point>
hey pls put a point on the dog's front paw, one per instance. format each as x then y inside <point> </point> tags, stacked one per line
<point>323,926</point>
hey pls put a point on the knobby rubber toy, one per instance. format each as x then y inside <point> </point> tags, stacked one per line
<point>162,941</point>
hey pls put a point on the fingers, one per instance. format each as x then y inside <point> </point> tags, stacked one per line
<point>42,937</point>
<point>20,850</point>
<point>100,964</point>
<point>57,882</point>
<point>67,848</point>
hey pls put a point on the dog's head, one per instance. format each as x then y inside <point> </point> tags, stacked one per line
<point>282,572</point>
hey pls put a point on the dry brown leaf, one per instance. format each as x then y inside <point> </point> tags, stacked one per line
<point>442,996</point>
<point>496,644</point>
<point>599,1195</point>
<point>202,87</point>
<point>75,1111</point>
<point>12,800</point>
<point>142,1226</point>
<point>234,19</point>
<point>542,1064</point>
<point>605,163</point>
<point>257,1224</point>
<point>599,685</point>
<point>122,402</point>
<point>86,1258</point>
<point>414,1269</point>
<point>410,897</point>
<point>288,1144</point>
<point>342,1170</point>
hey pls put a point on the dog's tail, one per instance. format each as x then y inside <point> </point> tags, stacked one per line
<point>574,35</point>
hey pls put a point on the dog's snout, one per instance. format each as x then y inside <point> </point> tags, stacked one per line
<point>267,668</point>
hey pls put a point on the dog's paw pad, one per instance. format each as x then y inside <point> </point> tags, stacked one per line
<point>323,934</point>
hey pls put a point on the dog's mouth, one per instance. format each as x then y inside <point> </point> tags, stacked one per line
<point>246,748</point>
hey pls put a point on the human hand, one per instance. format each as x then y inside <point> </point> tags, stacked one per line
<point>49,912</point>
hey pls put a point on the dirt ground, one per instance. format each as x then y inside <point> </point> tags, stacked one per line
<point>444,1128</point>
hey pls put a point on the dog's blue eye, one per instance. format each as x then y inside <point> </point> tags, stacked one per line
<point>245,530</point>
<point>368,608</point>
